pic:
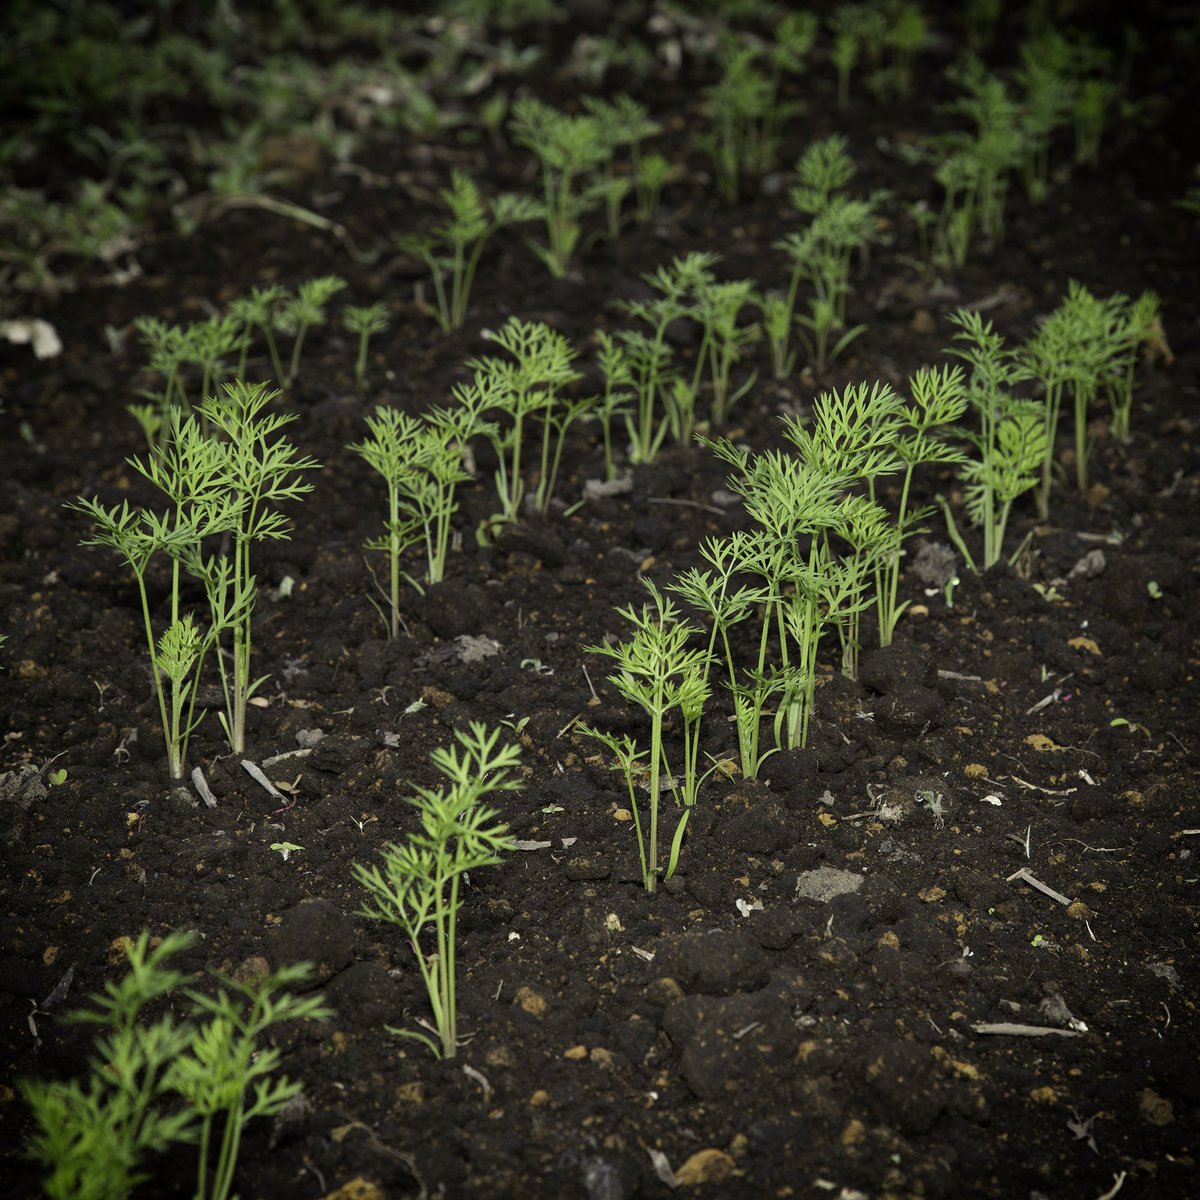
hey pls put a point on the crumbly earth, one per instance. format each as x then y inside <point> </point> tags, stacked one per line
<point>804,1010</point>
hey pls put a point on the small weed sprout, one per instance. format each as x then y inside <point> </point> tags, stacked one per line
<point>453,250</point>
<point>364,321</point>
<point>419,884</point>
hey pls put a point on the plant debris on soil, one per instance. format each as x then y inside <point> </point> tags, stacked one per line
<point>948,949</point>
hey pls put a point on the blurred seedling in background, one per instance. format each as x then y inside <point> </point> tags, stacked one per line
<point>453,249</point>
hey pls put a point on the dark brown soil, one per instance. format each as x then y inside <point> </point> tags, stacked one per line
<point>798,1012</point>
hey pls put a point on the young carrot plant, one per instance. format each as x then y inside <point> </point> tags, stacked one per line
<point>225,1060</point>
<point>95,1140</point>
<point>650,357</point>
<point>738,107</point>
<point>717,307</point>
<point>571,150</point>
<point>1138,323</point>
<point>258,472</point>
<point>823,253</point>
<point>853,438</point>
<point>525,387</point>
<point>190,470</point>
<point>798,505</point>
<point>855,28</point>
<point>973,169</point>
<point>420,459</point>
<point>418,887</point>
<point>364,321</point>
<point>304,311</point>
<point>453,250</point>
<point>618,374</point>
<point>1010,437</point>
<point>746,108</point>
<point>938,401</point>
<point>659,672</point>
<point>622,122</point>
<point>261,309</point>
<point>728,602</point>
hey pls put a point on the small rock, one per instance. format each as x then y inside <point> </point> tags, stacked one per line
<point>705,1166</point>
<point>1155,1109</point>
<point>664,991</point>
<point>357,1189</point>
<point>824,883</point>
<point>530,1001</point>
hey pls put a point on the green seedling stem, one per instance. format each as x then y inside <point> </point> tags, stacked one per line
<point>1010,438</point>
<point>364,321</point>
<point>660,673</point>
<point>456,245</point>
<point>519,388</point>
<point>420,881</point>
<point>259,471</point>
<point>303,311</point>
<point>420,459</point>
<point>570,149</point>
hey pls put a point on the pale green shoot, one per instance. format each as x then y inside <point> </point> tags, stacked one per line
<point>303,311</point>
<point>455,247</point>
<point>364,321</point>
<point>225,1060</point>
<point>660,673</point>
<point>420,459</point>
<point>570,150</point>
<point>419,884</point>
<point>259,472</point>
